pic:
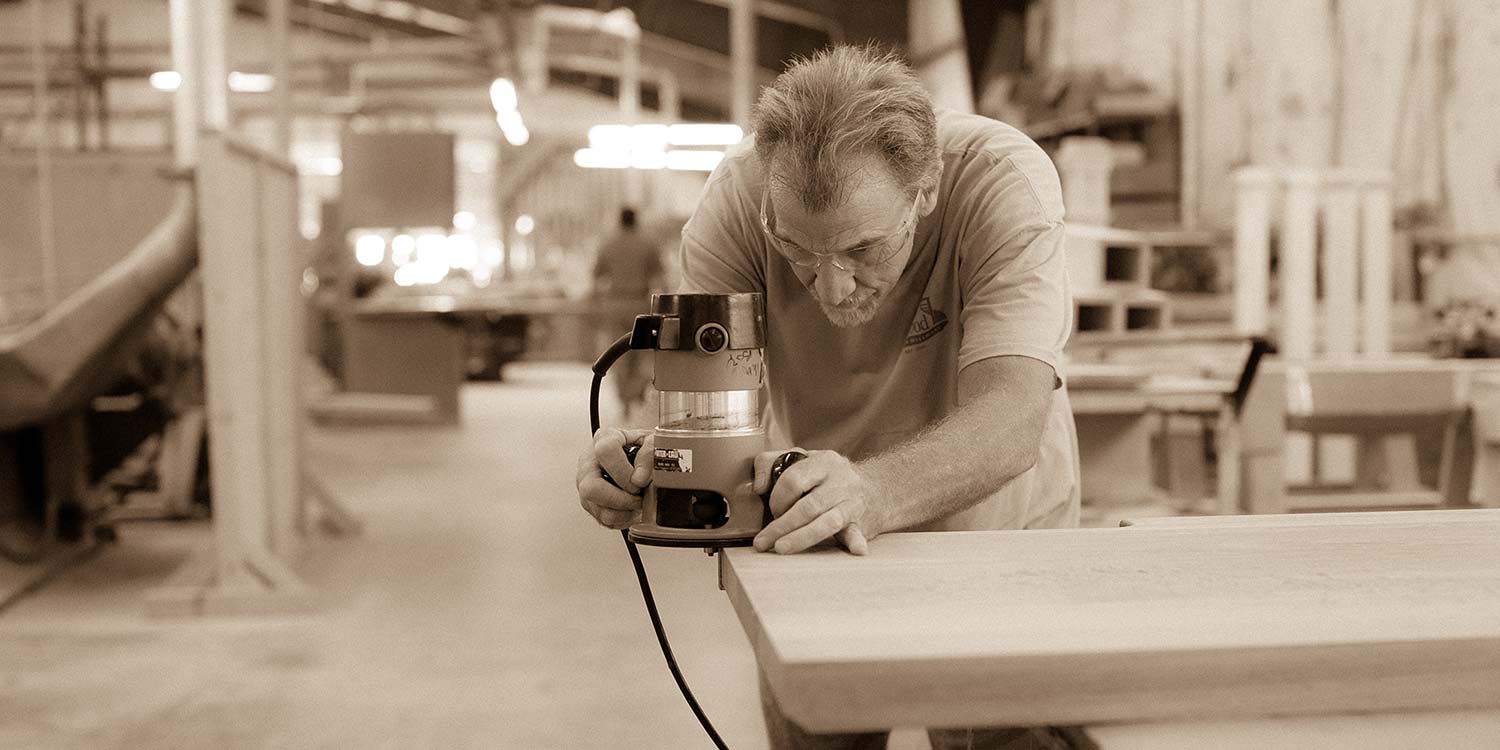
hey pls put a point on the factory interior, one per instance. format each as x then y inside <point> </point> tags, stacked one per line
<point>304,303</point>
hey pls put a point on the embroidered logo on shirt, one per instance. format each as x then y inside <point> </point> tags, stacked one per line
<point>926,324</point>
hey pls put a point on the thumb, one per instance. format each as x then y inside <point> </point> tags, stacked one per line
<point>641,474</point>
<point>854,540</point>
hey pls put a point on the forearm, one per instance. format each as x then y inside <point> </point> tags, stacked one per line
<point>992,437</point>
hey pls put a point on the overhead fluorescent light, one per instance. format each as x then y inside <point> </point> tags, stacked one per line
<point>251,83</point>
<point>241,83</point>
<point>684,160</point>
<point>513,128</point>
<point>503,96</point>
<point>610,137</point>
<point>369,250</point>
<point>166,80</point>
<point>598,158</point>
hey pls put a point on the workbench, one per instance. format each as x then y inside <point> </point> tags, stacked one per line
<point>1148,629</point>
<point>406,356</point>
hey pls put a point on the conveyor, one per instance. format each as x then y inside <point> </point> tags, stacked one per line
<point>75,349</point>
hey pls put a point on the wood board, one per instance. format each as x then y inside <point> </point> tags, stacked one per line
<point>1426,517</point>
<point>1082,626</point>
<point>1452,730</point>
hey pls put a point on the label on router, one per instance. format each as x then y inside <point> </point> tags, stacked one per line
<point>673,459</point>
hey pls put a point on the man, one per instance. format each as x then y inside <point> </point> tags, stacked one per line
<point>627,270</point>
<point>917,305</point>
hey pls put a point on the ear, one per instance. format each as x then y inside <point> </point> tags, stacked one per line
<point>928,201</point>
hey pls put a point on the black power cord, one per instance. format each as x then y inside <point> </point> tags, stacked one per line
<point>616,350</point>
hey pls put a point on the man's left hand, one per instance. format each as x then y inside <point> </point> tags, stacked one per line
<point>822,496</point>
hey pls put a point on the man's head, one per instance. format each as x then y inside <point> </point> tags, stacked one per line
<point>627,218</point>
<point>848,141</point>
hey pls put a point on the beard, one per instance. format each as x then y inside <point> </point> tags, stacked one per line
<point>851,316</point>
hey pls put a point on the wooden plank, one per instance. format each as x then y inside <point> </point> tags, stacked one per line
<point>1292,61</point>
<point>1377,389</point>
<point>1222,111</point>
<point>1472,158</point>
<point>1107,402</point>
<point>1455,730</point>
<point>1364,501</point>
<point>1083,626</point>
<point>1460,515</point>
<point>1145,237</point>
<point>1419,154</point>
<point>1190,107</point>
<point>1373,43</point>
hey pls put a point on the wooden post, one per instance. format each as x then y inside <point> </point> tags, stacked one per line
<point>1298,267</point>
<point>742,60</point>
<point>277,19</point>
<point>1190,106</point>
<point>43,120</point>
<point>1375,215</point>
<point>1263,439</point>
<point>1252,249</point>
<point>1084,164</point>
<point>935,32</point>
<point>1340,267</point>
<point>185,109</point>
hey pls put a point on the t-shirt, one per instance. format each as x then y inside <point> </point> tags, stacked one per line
<point>986,278</point>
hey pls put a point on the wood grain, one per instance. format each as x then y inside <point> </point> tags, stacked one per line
<point>1104,625</point>
<point>1452,730</point>
<point>1424,517</point>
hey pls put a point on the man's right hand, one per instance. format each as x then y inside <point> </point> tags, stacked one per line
<point>615,507</point>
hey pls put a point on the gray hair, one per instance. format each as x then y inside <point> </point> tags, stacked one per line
<point>840,103</point>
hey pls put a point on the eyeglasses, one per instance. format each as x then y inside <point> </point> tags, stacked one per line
<point>861,257</point>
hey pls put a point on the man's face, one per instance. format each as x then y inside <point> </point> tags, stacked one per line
<point>878,218</point>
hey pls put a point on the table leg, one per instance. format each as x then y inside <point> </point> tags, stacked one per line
<point>1227,455</point>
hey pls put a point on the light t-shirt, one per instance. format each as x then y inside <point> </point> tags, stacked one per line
<point>986,278</point>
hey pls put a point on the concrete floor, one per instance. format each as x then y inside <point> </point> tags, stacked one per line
<point>479,608</point>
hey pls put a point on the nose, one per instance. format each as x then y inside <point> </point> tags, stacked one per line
<point>833,284</point>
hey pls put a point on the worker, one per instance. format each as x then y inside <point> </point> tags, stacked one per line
<point>916,306</point>
<point>627,270</point>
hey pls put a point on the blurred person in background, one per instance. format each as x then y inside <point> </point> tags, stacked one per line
<point>627,270</point>
<point>917,303</point>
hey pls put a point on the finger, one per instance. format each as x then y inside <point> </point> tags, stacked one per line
<point>798,480</point>
<point>822,527</point>
<point>587,466</point>
<point>802,513</point>
<point>609,452</point>
<point>599,492</point>
<point>854,540</point>
<point>614,519</point>
<point>640,476</point>
<point>762,471</point>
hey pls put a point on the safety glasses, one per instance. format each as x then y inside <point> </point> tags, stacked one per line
<point>862,257</point>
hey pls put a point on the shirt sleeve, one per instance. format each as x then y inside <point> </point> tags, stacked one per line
<point>720,254</point>
<point>1012,265</point>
